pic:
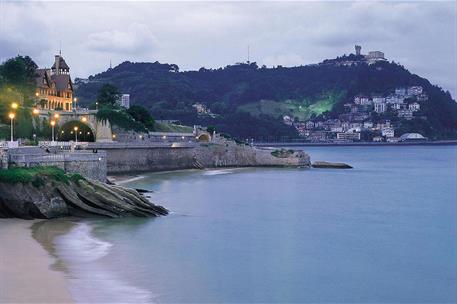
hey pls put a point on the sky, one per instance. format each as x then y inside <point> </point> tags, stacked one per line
<point>422,36</point>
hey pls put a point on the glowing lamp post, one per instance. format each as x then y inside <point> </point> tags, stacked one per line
<point>75,100</point>
<point>56,115</point>
<point>14,106</point>
<point>11,116</point>
<point>53,124</point>
<point>76,133</point>
<point>35,112</point>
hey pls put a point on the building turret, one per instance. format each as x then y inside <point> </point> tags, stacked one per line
<point>358,50</point>
<point>60,66</point>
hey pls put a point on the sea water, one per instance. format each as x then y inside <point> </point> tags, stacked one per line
<point>385,231</point>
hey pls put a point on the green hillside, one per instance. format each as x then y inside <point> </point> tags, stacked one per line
<point>248,101</point>
<point>300,110</point>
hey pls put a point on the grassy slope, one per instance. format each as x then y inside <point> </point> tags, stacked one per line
<point>294,108</point>
<point>161,127</point>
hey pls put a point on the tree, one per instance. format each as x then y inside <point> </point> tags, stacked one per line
<point>142,115</point>
<point>108,95</point>
<point>18,71</point>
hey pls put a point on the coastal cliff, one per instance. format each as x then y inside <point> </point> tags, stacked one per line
<point>44,193</point>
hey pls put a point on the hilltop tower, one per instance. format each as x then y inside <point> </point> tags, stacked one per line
<point>358,50</point>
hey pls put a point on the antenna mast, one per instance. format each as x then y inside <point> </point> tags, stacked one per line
<point>248,53</point>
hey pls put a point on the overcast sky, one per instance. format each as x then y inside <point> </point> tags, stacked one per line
<point>420,35</point>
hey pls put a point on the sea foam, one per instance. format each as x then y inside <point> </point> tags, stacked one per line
<point>92,281</point>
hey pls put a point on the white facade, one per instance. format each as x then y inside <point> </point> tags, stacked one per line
<point>348,136</point>
<point>378,99</point>
<point>414,107</point>
<point>380,107</point>
<point>388,132</point>
<point>362,100</point>
<point>395,99</point>
<point>415,90</point>
<point>125,101</point>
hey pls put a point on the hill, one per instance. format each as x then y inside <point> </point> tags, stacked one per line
<point>248,101</point>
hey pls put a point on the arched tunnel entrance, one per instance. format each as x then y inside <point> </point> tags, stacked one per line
<point>73,130</point>
<point>204,137</point>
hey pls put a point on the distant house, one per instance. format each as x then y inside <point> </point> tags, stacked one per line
<point>348,136</point>
<point>362,100</point>
<point>378,99</point>
<point>395,99</point>
<point>374,56</point>
<point>406,114</point>
<point>309,125</point>
<point>414,106</point>
<point>415,90</point>
<point>380,107</point>
<point>378,138</point>
<point>124,101</point>
<point>398,106</point>
<point>388,132</point>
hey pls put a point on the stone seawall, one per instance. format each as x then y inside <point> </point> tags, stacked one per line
<point>130,158</point>
<point>88,164</point>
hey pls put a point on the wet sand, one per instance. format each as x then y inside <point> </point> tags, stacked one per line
<point>26,274</point>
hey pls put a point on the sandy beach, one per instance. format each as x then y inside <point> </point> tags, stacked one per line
<point>25,268</point>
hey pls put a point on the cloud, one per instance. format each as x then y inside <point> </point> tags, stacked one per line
<point>419,35</point>
<point>137,38</point>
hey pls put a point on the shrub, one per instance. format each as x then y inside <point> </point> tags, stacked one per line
<point>35,175</point>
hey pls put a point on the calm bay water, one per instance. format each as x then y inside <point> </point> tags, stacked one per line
<point>385,231</point>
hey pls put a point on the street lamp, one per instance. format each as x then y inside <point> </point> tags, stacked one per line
<point>53,123</point>
<point>14,105</point>
<point>76,133</point>
<point>75,100</point>
<point>11,116</point>
<point>96,105</point>
<point>84,119</point>
<point>35,111</point>
<point>56,115</point>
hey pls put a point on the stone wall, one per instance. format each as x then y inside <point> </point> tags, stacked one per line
<point>131,158</point>
<point>88,164</point>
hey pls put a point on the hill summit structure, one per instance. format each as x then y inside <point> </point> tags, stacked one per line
<point>54,87</point>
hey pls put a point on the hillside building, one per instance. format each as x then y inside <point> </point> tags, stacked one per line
<point>54,88</point>
<point>380,107</point>
<point>415,90</point>
<point>124,101</point>
<point>414,107</point>
<point>348,136</point>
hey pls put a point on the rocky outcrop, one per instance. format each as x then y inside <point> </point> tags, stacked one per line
<point>82,198</point>
<point>236,155</point>
<point>329,165</point>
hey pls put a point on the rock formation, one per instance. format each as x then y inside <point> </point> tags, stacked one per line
<point>329,165</point>
<point>80,198</point>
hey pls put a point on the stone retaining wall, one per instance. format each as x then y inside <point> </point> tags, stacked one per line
<point>88,164</point>
<point>124,158</point>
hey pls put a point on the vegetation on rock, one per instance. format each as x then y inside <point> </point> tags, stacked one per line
<point>47,192</point>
